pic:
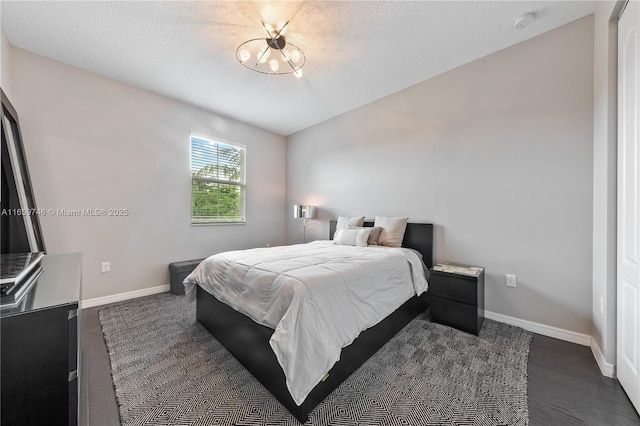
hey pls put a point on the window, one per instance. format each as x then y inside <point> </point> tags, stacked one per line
<point>217,181</point>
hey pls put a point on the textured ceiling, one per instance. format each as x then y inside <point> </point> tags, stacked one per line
<point>357,51</point>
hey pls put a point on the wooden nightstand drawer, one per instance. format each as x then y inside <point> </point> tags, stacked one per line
<point>459,315</point>
<point>454,288</point>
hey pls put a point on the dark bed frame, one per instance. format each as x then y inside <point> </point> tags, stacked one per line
<point>248,341</point>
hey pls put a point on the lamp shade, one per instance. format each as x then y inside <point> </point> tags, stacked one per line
<point>303,211</point>
<point>309,212</point>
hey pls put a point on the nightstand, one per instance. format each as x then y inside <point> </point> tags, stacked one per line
<point>457,296</point>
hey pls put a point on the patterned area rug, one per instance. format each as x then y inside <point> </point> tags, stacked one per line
<point>168,370</point>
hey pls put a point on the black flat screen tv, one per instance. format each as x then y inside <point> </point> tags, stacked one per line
<point>20,230</point>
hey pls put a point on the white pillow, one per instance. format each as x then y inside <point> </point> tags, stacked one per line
<point>374,236</point>
<point>352,236</point>
<point>345,222</point>
<point>392,230</point>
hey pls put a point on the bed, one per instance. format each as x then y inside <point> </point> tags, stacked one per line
<point>249,341</point>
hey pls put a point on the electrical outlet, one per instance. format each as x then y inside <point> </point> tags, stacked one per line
<point>602,305</point>
<point>511,280</point>
<point>106,267</point>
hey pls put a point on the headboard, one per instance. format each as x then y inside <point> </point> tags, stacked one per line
<point>418,236</point>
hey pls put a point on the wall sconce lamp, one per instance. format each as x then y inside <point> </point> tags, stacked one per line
<point>304,212</point>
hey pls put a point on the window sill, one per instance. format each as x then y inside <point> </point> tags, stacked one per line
<point>217,223</point>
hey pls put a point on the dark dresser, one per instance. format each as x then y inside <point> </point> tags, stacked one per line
<point>40,348</point>
<point>457,296</point>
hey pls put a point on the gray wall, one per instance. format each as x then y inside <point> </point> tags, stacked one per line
<point>497,153</point>
<point>93,142</point>
<point>6,79</point>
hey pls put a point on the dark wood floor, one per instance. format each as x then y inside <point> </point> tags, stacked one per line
<point>565,384</point>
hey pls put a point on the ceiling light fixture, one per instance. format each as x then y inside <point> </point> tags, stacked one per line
<point>524,21</point>
<point>272,55</point>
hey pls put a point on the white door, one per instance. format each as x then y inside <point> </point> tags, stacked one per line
<point>628,284</point>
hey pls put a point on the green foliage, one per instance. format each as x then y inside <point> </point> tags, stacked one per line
<point>211,201</point>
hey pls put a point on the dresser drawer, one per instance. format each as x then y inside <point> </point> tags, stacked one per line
<point>459,315</point>
<point>453,288</point>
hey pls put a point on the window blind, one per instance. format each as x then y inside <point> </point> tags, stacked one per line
<point>217,181</point>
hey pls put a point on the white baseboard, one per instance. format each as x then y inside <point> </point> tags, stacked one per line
<point>607,369</point>
<point>545,330</point>
<point>98,301</point>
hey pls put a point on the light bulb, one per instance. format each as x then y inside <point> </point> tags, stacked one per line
<point>244,55</point>
<point>295,56</point>
<point>298,73</point>
<point>274,65</point>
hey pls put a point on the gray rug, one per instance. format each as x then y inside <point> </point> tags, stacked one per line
<point>168,370</point>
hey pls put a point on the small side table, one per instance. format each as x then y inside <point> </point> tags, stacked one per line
<point>457,296</point>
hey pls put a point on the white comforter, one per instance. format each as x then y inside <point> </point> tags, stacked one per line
<point>317,296</point>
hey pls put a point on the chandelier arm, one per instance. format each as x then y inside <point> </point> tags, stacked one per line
<point>281,29</point>
<point>288,61</point>
<point>266,29</point>
<point>264,52</point>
